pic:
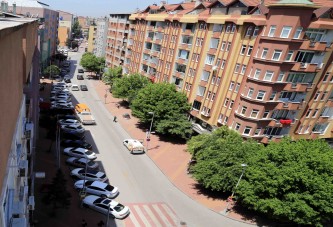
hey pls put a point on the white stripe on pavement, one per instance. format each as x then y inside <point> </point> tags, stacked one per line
<point>151,215</point>
<point>162,216</point>
<point>142,216</point>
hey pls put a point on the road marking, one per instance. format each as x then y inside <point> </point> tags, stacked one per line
<point>151,215</point>
<point>142,216</point>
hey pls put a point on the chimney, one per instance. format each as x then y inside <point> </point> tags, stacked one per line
<point>14,8</point>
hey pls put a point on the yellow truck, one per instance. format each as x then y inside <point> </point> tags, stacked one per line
<point>84,115</point>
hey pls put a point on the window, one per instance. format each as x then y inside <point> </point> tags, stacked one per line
<point>223,45</point>
<point>223,64</point>
<point>323,96</point>
<point>261,95</point>
<point>213,80</point>
<point>237,68</point>
<point>315,113</point>
<point>317,95</point>
<point>315,34</point>
<point>285,32</point>
<point>231,104</point>
<point>218,62</point>
<point>231,87</point>
<point>298,32</point>
<point>226,102</point>
<point>205,75</point>
<point>250,92</point>
<point>269,75</point>
<point>276,55</point>
<point>226,119</point>
<point>272,97</point>
<point>326,77</point>
<point>220,117</point>
<point>233,29</point>
<point>199,42</point>
<point>213,97</point>
<point>227,30</point>
<point>249,31</point>
<point>257,52</point>
<point>228,46</point>
<point>210,59</point>
<point>280,77</point>
<point>201,91</point>
<point>308,113</point>
<point>257,131</point>
<point>256,31</point>
<point>243,111</point>
<point>237,126</point>
<point>254,113</point>
<point>202,26</point>
<point>249,51</point>
<point>247,130</point>
<point>196,105</point>
<point>264,53</point>
<point>289,55</point>
<point>242,52</point>
<point>243,69</point>
<point>272,31</point>
<point>257,74</point>
<point>237,87</point>
<point>266,113</point>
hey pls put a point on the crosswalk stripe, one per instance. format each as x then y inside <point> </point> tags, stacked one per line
<point>167,220</point>
<point>151,215</point>
<point>142,216</point>
<point>172,215</point>
<point>134,220</point>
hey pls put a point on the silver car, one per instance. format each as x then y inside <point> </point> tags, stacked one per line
<point>97,188</point>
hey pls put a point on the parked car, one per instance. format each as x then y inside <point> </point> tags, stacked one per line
<point>73,136</point>
<point>80,152</point>
<point>80,71</point>
<point>67,106</point>
<point>83,87</point>
<point>60,84</point>
<point>80,77</point>
<point>60,102</point>
<point>75,87</point>
<point>68,81</point>
<point>61,97</point>
<point>82,162</point>
<point>73,128</point>
<point>60,92</point>
<point>134,146</point>
<point>69,122</point>
<point>98,188</point>
<point>76,143</point>
<point>66,116</point>
<point>81,173</point>
<point>59,89</point>
<point>105,206</point>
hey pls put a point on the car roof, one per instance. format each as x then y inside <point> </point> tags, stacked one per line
<point>99,184</point>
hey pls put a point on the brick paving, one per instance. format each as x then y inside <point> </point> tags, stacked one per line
<point>171,158</point>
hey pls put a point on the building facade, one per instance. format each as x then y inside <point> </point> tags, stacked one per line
<point>117,38</point>
<point>66,21</point>
<point>91,38</point>
<point>101,34</point>
<point>263,68</point>
<point>19,77</point>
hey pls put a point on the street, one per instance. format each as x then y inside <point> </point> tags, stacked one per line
<point>151,197</point>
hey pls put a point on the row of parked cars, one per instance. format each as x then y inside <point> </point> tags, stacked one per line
<point>89,179</point>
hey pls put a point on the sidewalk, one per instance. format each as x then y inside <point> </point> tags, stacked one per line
<point>171,158</point>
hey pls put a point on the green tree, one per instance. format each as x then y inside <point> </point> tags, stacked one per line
<point>127,87</point>
<point>291,182</point>
<point>58,194</point>
<point>111,75</point>
<point>169,106</point>
<point>92,63</point>
<point>52,70</point>
<point>76,30</point>
<point>219,156</point>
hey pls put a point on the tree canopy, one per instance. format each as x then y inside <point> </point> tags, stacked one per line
<point>127,87</point>
<point>52,70</point>
<point>92,63</point>
<point>169,107</point>
<point>76,30</point>
<point>290,181</point>
<point>111,74</point>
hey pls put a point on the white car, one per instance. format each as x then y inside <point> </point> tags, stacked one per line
<point>69,122</point>
<point>73,128</point>
<point>97,188</point>
<point>60,97</point>
<point>134,146</point>
<point>80,152</point>
<point>104,205</point>
<point>89,175</point>
<point>82,162</point>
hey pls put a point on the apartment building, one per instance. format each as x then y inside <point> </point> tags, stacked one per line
<point>101,35</point>
<point>66,21</point>
<point>117,38</point>
<point>19,63</point>
<point>49,24</point>
<point>263,68</point>
<point>91,38</point>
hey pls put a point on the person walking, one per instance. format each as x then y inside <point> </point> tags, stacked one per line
<point>114,119</point>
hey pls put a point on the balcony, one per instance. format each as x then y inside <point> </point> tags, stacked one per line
<point>203,113</point>
<point>275,138</point>
<point>307,67</point>
<point>313,45</point>
<point>290,105</point>
<point>299,87</point>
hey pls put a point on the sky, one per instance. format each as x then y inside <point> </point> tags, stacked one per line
<point>100,8</point>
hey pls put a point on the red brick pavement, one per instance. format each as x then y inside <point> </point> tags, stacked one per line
<point>171,158</point>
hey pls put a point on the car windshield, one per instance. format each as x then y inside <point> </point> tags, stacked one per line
<point>119,207</point>
<point>109,187</point>
<point>89,152</point>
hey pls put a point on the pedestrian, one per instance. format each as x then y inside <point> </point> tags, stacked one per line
<point>84,223</point>
<point>100,224</point>
<point>114,119</point>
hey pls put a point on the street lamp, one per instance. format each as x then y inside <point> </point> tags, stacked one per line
<point>148,133</point>
<point>233,192</point>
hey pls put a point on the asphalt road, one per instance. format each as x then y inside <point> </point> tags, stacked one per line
<point>136,176</point>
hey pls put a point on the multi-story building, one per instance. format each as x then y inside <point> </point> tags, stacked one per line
<point>101,33</point>
<point>48,30</point>
<point>19,62</point>
<point>117,39</point>
<point>91,37</point>
<point>263,68</point>
<point>66,21</point>
<point>84,22</point>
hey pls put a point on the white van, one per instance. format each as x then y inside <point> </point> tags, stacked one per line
<point>134,146</point>
<point>75,87</point>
